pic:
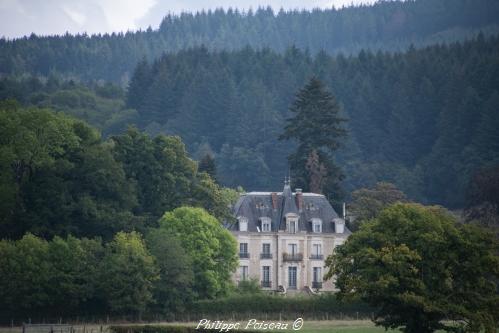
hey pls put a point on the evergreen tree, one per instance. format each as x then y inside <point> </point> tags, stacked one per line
<point>207,164</point>
<point>318,128</point>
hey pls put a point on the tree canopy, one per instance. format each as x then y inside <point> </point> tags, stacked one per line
<point>406,110</point>
<point>59,177</point>
<point>367,203</point>
<point>317,127</point>
<point>385,25</point>
<point>420,269</point>
<point>211,247</point>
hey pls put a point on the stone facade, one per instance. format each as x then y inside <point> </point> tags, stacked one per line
<point>284,239</point>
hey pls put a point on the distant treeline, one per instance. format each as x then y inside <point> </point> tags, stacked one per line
<point>425,119</point>
<point>386,25</point>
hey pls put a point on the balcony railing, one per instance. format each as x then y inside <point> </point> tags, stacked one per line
<point>317,257</point>
<point>316,285</point>
<point>292,256</point>
<point>244,255</point>
<point>266,284</point>
<point>265,255</point>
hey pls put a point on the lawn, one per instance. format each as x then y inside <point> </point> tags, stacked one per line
<point>332,326</point>
<point>341,326</point>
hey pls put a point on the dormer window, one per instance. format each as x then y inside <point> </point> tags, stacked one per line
<point>339,225</point>
<point>292,224</point>
<point>316,225</point>
<point>243,223</point>
<point>266,225</point>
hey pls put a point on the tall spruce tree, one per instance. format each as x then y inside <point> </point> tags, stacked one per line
<point>317,126</point>
<point>207,164</point>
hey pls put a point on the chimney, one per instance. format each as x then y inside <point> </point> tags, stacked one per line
<point>299,199</point>
<point>344,211</point>
<point>274,200</point>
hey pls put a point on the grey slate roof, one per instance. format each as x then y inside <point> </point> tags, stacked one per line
<point>255,205</point>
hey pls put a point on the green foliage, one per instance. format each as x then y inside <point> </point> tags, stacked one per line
<point>482,198</point>
<point>159,329</point>
<point>387,25</point>
<point>419,268</point>
<point>367,203</point>
<point>207,164</point>
<point>159,166</point>
<point>102,106</point>
<point>128,273</point>
<point>276,305</point>
<point>25,273</point>
<point>211,248</point>
<point>165,176</point>
<point>405,110</point>
<point>45,277</point>
<point>58,177</point>
<point>173,290</point>
<point>249,287</point>
<point>317,127</point>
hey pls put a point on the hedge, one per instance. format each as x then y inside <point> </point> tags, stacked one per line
<point>161,329</point>
<point>312,307</point>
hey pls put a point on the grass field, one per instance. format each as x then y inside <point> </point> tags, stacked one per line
<point>341,326</point>
<point>331,326</point>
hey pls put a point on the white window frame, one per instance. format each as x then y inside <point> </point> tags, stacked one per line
<point>269,271</point>
<point>293,249</point>
<point>244,273</point>
<point>243,223</point>
<point>316,222</point>
<point>316,249</point>
<point>317,274</point>
<point>266,224</point>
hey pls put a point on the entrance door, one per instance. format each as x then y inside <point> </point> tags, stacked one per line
<point>292,277</point>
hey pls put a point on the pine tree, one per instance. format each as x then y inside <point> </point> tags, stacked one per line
<point>318,128</point>
<point>207,164</point>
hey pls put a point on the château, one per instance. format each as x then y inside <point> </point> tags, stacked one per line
<point>285,237</point>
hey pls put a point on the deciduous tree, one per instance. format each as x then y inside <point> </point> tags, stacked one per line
<point>421,271</point>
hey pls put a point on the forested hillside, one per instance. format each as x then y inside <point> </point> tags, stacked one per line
<point>387,25</point>
<point>425,119</point>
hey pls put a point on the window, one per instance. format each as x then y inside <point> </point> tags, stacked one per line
<point>266,251</point>
<point>293,249</point>
<point>243,247</point>
<point>266,273</point>
<point>292,223</point>
<point>317,249</point>
<point>317,274</point>
<point>244,273</point>
<point>243,223</point>
<point>265,224</point>
<point>316,225</point>
<point>339,225</point>
<point>292,277</point>
<point>243,250</point>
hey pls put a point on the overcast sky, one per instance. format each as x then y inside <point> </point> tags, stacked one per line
<point>48,17</point>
